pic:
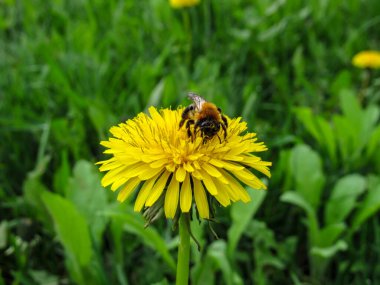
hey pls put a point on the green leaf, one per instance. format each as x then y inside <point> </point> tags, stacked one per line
<point>330,233</point>
<point>62,174</point>
<point>241,214</point>
<point>70,226</point>
<point>370,205</point>
<point>351,108</point>
<point>267,252</point>
<point>307,118</point>
<point>33,189</point>
<point>328,137</point>
<point>328,252</point>
<point>344,135</point>
<point>374,142</point>
<point>296,199</point>
<point>319,128</point>
<point>42,277</point>
<point>341,81</point>
<point>134,223</point>
<point>89,197</point>
<point>369,120</point>
<point>312,221</point>
<point>306,168</point>
<point>217,253</point>
<point>343,198</point>
<point>216,259</point>
<point>3,234</point>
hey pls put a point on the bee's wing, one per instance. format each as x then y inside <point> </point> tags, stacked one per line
<point>198,100</point>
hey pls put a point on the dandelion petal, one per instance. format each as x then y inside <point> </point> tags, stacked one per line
<point>144,193</point>
<point>157,189</point>
<point>128,189</point>
<point>171,198</point>
<point>201,199</point>
<point>186,195</point>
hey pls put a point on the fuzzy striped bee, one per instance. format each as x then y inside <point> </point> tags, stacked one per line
<point>206,118</point>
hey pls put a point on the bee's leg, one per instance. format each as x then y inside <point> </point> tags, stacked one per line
<point>220,141</point>
<point>181,123</point>
<point>185,115</point>
<point>196,127</point>
<point>188,124</point>
<point>224,126</point>
<point>225,121</point>
<point>224,130</point>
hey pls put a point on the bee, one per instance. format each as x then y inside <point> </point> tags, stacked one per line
<point>206,118</point>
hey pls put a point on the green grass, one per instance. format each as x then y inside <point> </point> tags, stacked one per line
<point>72,69</point>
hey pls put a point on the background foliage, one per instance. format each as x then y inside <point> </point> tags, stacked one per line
<point>71,69</point>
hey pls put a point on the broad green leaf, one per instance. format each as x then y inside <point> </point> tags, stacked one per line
<point>328,252</point>
<point>341,81</point>
<point>241,215</point>
<point>89,196</point>
<point>370,205</point>
<point>215,260</point>
<point>307,118</point>
<point>343,198</point>
<point>374,142</point>
<point>328,137</point>
<point>353,116</point>
<point>3,234</point>
<point>319,128</point>
<point>330,233</point>
<point>203,272</point>
<point>197,230</point>
<point>267,252</point>
<point>43,277</point>
<point>134,224</point>
<point>33,189</point>
<point>62,174</point>
<point>344,134</point>
<point>70,226</point>
<point>296,199</point>
<point>351,108</point>
<point>370,119</point>
<point>306,168</point>
<point>217,253</point>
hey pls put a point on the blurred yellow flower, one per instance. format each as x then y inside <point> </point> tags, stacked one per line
<point>152,152</point>
<point>367,59</point>
<point>183,3</point>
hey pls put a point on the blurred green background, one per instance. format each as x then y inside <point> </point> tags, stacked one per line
<point>69,70</point>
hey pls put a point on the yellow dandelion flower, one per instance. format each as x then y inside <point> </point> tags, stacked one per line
<point>150,153</point>
<point>183,3</point>
<point>367,59</point>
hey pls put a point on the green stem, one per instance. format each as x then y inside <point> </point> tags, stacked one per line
<point>183,251</point>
